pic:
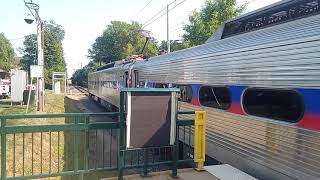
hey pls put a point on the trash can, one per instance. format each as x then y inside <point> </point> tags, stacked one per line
<point>26,95</point>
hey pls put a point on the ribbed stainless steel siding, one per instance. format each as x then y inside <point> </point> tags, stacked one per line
<point>275,56</point>
<point>286,149</point>
<point>110,95</point>
<point>286,55</point>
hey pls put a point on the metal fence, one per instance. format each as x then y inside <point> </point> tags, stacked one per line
<point>50,145</point>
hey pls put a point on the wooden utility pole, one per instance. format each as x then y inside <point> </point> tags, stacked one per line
<point>41,83</point>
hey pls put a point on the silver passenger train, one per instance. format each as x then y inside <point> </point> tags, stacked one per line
<point>258,79</point>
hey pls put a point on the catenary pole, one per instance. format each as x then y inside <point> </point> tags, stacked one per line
<point>168,37</point>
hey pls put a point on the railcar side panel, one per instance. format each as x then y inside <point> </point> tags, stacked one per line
<point>284,57</point>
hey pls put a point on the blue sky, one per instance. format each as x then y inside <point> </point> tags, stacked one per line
<point>84,20</point>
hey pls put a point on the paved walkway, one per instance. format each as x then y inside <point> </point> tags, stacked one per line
<point>185,174</point>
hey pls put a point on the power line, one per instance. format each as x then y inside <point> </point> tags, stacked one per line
<point>14,39</point>
<point>155,15</point>
<point>141,10</point>
<point>160,12</point>
<point>152,20</point>
<point>179,23</point>
<point>176,29</point>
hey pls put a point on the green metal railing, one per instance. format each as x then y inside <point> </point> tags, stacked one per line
<point>47,145</point>
<point>50,145</point>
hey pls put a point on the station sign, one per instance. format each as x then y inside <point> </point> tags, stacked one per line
<point>151,117</point>
<point>36,71</point>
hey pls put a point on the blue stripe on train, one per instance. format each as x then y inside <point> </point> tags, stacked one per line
<point>311,98</point>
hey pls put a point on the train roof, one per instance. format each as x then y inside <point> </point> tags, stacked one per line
<point>273,34</point>
<point>274,14</point>
<point>282,30</point>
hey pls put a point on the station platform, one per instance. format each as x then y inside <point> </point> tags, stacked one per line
<point>215,172</point>
<point>185,174</point>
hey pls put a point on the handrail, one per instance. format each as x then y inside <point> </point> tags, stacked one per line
<point>25,116</point>
<point>186,112</point>
<point>80,131</point>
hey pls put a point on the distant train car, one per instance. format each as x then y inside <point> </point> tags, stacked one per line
<point>258,79</point>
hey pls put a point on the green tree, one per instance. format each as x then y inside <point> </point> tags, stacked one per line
<point>29,52</point>
<point>175,45</point>
<point>204,23</point>
<point>80,76</point>
<point>53,51</point>
<point>120,40</point>
<point>6,54</point>
<point>52,27</point>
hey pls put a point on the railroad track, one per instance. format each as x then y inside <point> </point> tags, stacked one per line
<point>82,90</point>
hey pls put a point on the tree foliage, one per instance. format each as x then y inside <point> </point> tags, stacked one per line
<point>80,76</point>
<point>120,40</point>
<point>6,54</point>
<point>174,45</point>
<point>204,23</point>
<point>53,51</point>
<point>29,52</point>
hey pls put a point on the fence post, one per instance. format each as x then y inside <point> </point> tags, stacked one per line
<point>76,135</point>
<point>3,149</point>
<point>199,139</point>
<point>86,151</point>
<point>122,126</point>
<point>175,148</point>
<point>175,154</point>
<point>145,163</point>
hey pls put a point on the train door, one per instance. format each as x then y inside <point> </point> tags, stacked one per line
<point>136,79</point>
<point>126,79</point>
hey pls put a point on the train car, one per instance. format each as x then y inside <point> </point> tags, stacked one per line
<point>258,79</point>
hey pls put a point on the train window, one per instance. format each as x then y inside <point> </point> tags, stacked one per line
<point>279,104</point>
<point>216,97</point>
<point>161,85</point>
<point>185,93</point>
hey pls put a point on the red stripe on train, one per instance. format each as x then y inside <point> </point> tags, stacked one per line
<point>310,121</point>
<point>195,101</point>
<point>236,108</point>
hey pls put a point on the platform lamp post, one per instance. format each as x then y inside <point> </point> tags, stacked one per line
<point>34,10</point>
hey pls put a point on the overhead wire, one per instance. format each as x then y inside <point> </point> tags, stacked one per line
<point>150,21</point>
<point>14,39</point>
<point>178,25</point>
<point>156,17</point>
<point>159,12</point>
<point>141,10</point>
<point>176,29</point>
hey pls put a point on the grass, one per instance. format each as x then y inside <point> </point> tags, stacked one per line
<point>7,108</point>
<point>47,147</point>
<point>52,151</point>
